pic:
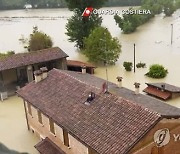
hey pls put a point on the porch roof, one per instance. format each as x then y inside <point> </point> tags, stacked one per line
<point>29,58</point>
<point>46,146</point>
<point>79,64</point>
<point>167,87</point>
<point>165,95</point>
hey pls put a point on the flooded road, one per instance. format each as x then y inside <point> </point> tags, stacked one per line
<point>153,45</point>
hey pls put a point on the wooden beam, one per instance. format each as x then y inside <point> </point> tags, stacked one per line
<point>26,115</point>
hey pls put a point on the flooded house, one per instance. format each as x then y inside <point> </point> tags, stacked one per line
<point>17,70</point>
<point>74,65</point>
<point>73,113</point>
<point>162,91</point>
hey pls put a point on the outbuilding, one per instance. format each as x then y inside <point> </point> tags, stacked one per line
<point>17,70</point>
<point>162,90</point>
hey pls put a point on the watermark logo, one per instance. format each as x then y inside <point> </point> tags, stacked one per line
<point>162,137</point>
<point>87,12</point>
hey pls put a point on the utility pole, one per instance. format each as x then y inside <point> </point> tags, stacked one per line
<point>171,34</point>
<point>134,57</point>
<point>106,66</point>
<point>105,62</point>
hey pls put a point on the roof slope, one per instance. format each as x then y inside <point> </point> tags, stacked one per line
<point>165,95</point>
<point>167,87</point>
<point>24,59</point>
<point>151,103</point>
<point>111,124</point>
<point>46,146</point>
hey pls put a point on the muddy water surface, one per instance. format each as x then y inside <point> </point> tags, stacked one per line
<point>153,45</point>
<point>13,128</point>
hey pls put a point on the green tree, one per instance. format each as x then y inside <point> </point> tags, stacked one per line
<point>9,4</point>
<point>79,27</point>
<point>157,71</point>
<point>168,6</point>
<point>51,3</point>
<point>1,4</point>
<point>177,4</point>
<point>82,4</point>
<point>100,46</point>
<point>123,3</point>
<point>128,23</point>
<point>38,40</point>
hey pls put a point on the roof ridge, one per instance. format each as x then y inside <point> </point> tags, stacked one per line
<point>75,78</point>
<point>27,52</point>
<point>140,105</point>
<point>29,58</point>
<point>114,95</point>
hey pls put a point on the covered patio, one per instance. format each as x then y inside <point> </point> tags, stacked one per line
<point>163,91</point>
<point>74,65</point>
<point>17,70</point>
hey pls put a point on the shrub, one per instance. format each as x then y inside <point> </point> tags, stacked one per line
<point>37,40</point>
<point>127,66</point>
<point>141,65</point>
<point>157,71</point>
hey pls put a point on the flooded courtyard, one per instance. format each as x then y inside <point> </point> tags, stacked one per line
<point>13,129</point>
<point>153,46</point>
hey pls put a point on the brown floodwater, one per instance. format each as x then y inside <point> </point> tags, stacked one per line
<point>153,45</point>
<point>13,129</point>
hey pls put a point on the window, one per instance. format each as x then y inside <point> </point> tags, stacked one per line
<point>29,109</point>
<point>51,126</point>
<point>39,117</point>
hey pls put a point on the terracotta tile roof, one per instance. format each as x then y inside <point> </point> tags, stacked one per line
<point>79,63</point>
<point>46,146</point>
<point>167,87</point>
<point>24,59</point>
<point>158,93</point>
<point>110,124</point>
<point>151,103</point>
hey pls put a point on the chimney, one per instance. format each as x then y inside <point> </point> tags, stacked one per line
<point>44,71</point>
<point>83,69</point>
<point>163,87</point>
<point>119,80</point>
<point>37,76</point>
<point>104,87</point>
<point>137,85</point>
